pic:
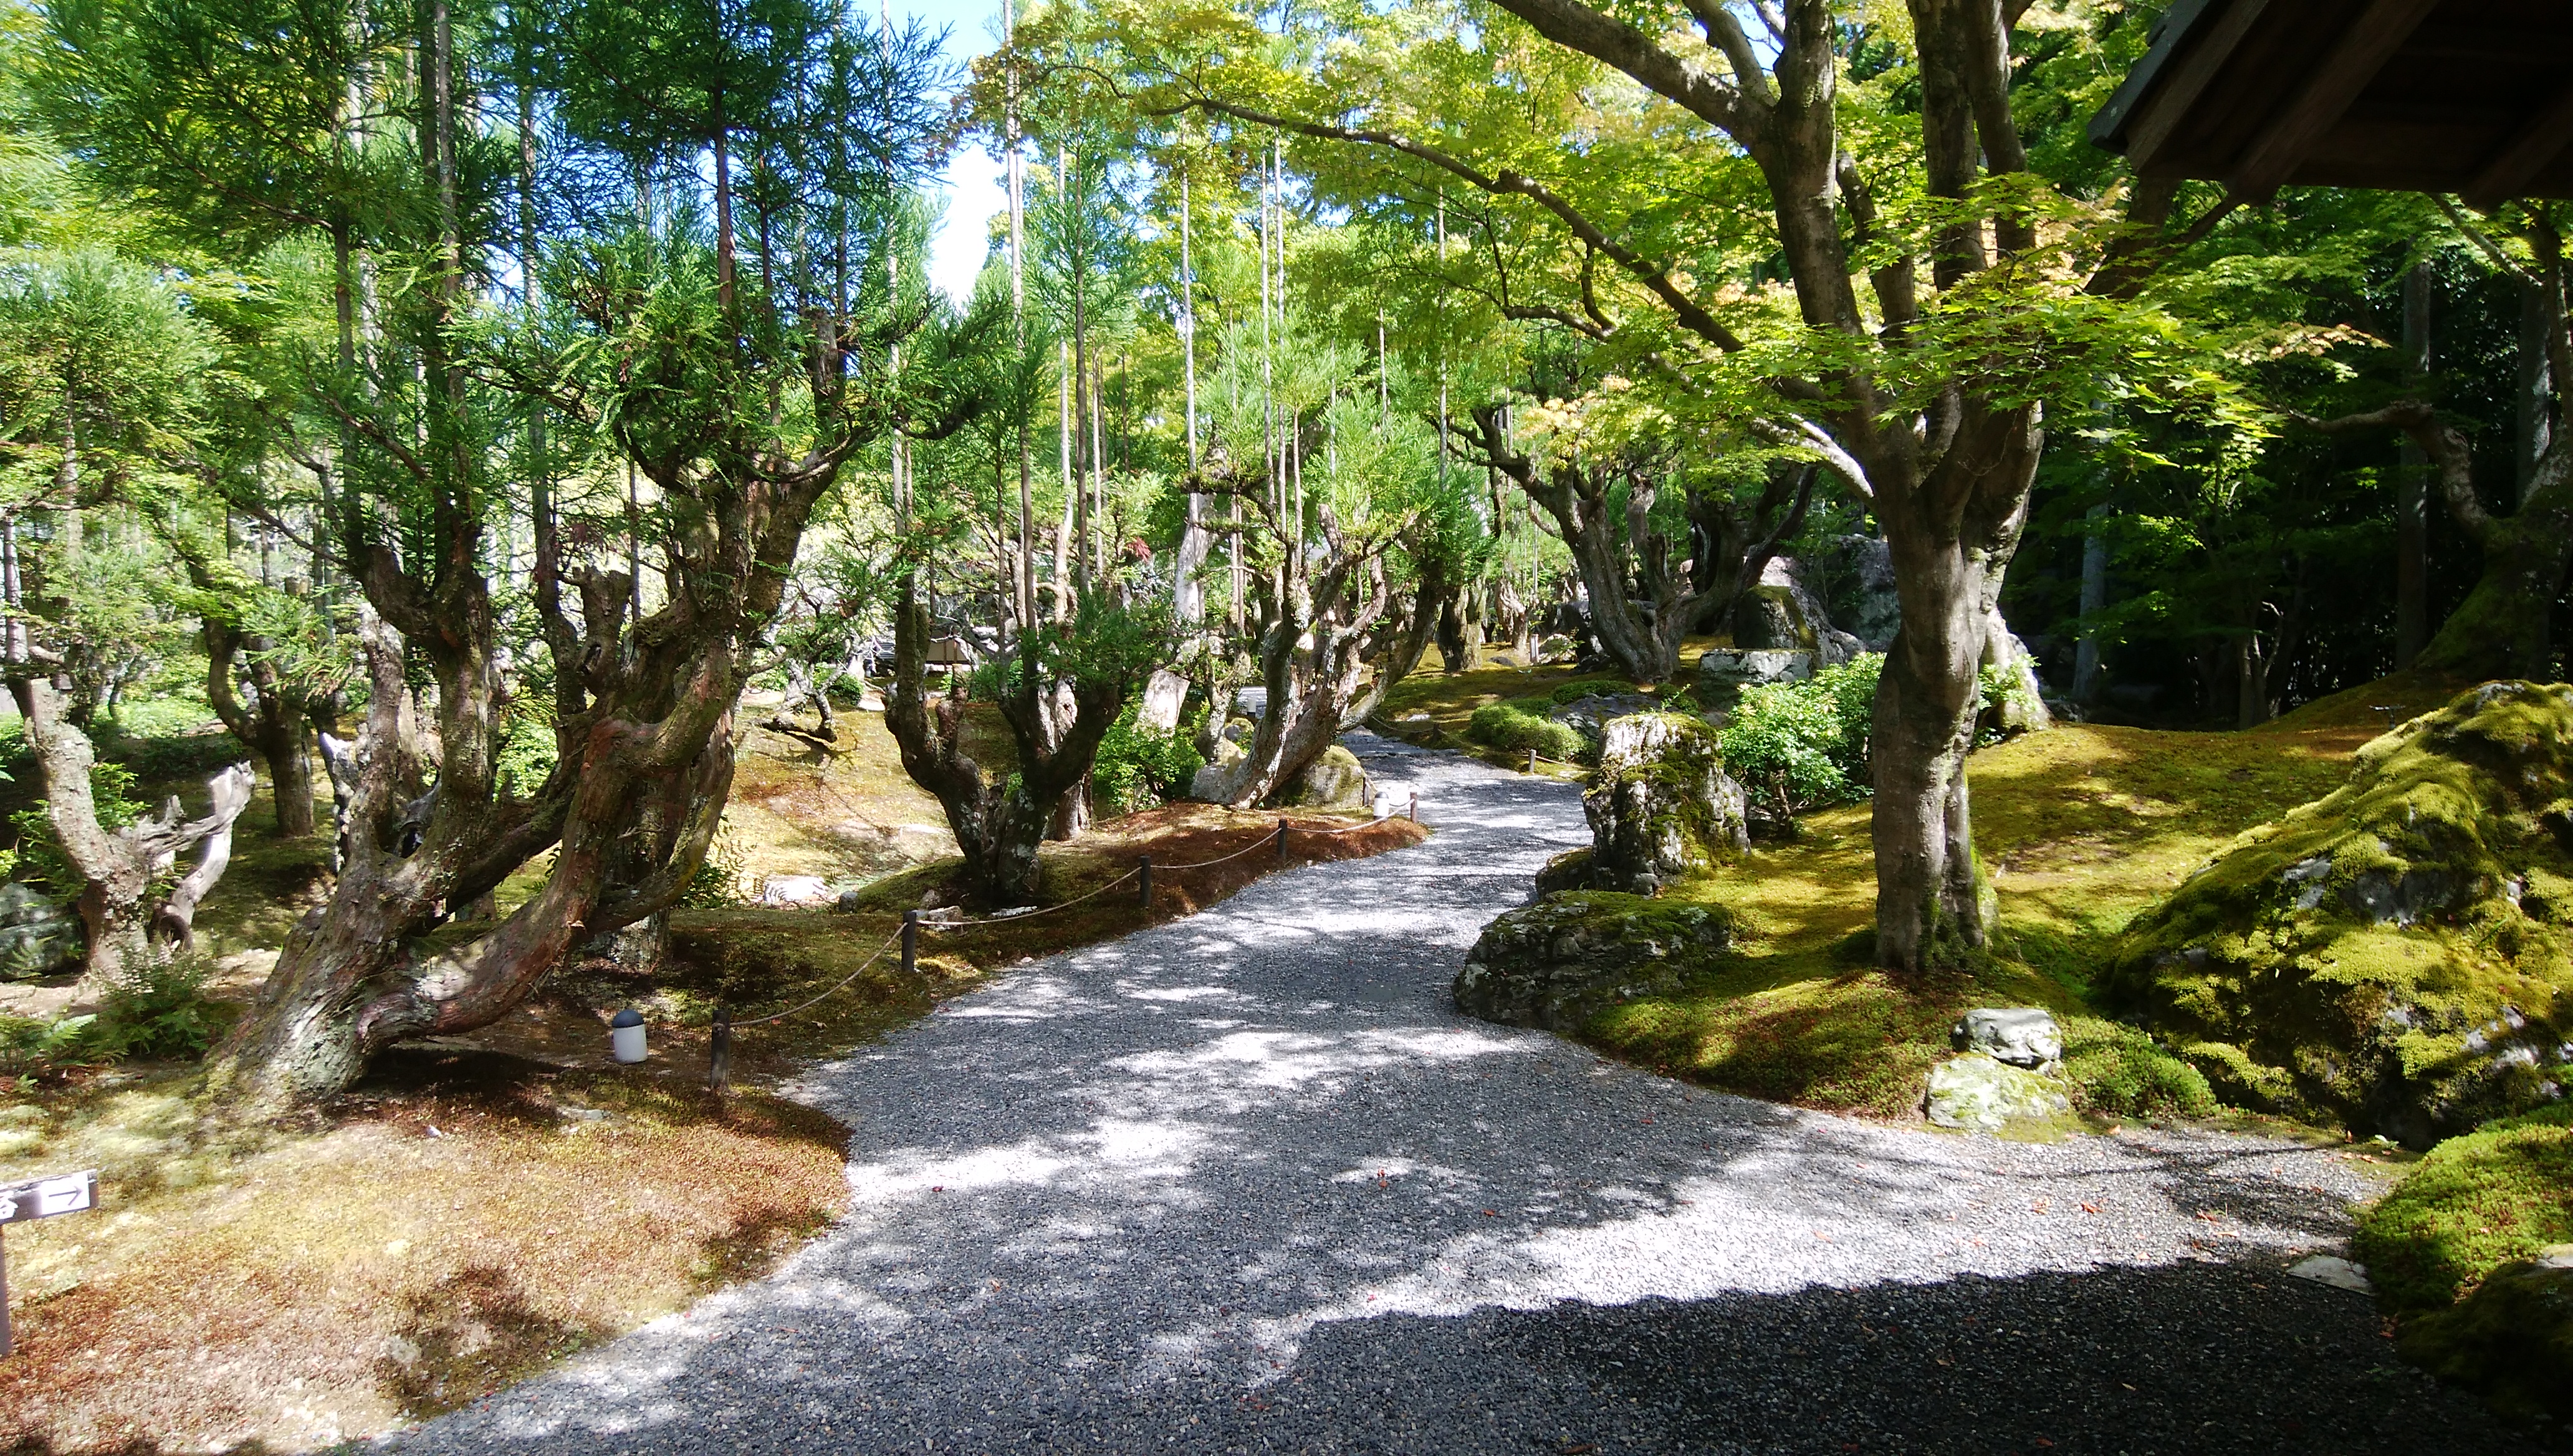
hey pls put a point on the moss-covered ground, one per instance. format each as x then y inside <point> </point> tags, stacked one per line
<point>2081,827</point>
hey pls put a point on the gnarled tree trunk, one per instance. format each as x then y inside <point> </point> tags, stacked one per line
<point>125,930</point>
<point>999,822</point>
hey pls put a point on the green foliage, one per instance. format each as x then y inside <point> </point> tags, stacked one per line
<point>2498,1193</point>
<point>1512,728</point>
<point>162,1011</point>
<point>40,854</point>
<point>33,1046</point>
<point>1137,769</point>
<point>1797,746</point>
<point>717,883</point>
<point>2118,1071</point>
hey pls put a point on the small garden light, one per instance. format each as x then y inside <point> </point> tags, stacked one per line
<point>626,1035</point>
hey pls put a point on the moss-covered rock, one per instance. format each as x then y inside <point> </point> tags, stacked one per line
<point>1660,805</point>
<point>1336,780</point>
<point>2511,1340</point>
<point>2391,956</point>
<point>1977,1093</point>
<point>1562,960</point>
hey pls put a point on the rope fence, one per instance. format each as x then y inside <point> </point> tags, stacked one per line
<point>719,1043</point>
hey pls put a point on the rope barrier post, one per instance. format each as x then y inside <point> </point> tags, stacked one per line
<point>1281,841</point>
<point>1531,760</point>
<point>719,1053</point>
<point>1412,813</point>
<point>910,942</point>
<point>1146,871</point>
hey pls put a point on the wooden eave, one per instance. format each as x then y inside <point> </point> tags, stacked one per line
<point>2473,97</point>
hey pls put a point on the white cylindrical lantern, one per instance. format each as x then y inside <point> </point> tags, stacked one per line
<point>626,1035</point>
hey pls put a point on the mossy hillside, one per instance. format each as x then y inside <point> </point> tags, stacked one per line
<point>2472,1204</point>
<point>2082,826</point>
<point>2375,958</point>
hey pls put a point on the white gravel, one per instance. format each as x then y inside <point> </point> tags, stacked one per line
<point>1248,1182</point>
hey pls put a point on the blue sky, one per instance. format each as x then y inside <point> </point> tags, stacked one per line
<point>974,185</point>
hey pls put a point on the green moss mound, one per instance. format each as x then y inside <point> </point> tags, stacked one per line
<point>2512,1339</point>
<point>2490,1214</point>
<point>1512,728</point>
<point>2476,1202</point>
<point>2392,956</point>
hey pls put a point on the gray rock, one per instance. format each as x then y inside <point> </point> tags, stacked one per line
<point>37,937</point>
<point>1862,596</point>
<point>1723,673</point>
<point>1561,962</point>
<point>1660,804</point>
<point>2334,1270</point>
<point>2023,1035</point>
<point>849,903</point>
<point>1569,870</point>
<point>1333,781</point>
<point>1979,1095</point>
<point>1589,716</point>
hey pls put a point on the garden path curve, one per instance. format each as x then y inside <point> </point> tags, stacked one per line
<point>1247,1182</point>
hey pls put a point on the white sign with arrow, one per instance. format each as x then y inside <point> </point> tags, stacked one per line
<point>41,1199</point>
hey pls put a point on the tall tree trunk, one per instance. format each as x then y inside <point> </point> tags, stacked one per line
<point>2412,485</point>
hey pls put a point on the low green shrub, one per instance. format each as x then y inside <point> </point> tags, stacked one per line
<point>1511,728</point>
<point>1137,769</point>
<point>163,1011</point>
<point>1799,746</point>
<point>34,1045</point>
<point>2475,1202</point>
<point>2118,1071</point>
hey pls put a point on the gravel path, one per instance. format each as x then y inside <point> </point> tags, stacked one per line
<point>1249,1182</point>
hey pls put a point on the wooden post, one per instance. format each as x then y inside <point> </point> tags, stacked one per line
<point>719,1052</point>
<point>909,941</point>
<point>1145,870</point>
<point>1281,841</point>
<point>1531,760</point>
<point>1412,812</point>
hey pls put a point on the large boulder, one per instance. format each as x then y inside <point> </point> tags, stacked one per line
<point>2399,956</point>
<point>1660,804</point>
<point>1781,613</point>
<point>37,937</point>
<point>1334,781</point>
<point>1860,593</point>
<point>1725,673</point>
<point>1561,962</point>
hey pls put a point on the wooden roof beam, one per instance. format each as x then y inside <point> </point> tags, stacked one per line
<point>2178,94</point>
<point>2363,50</point>
<point>2539,142</point>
